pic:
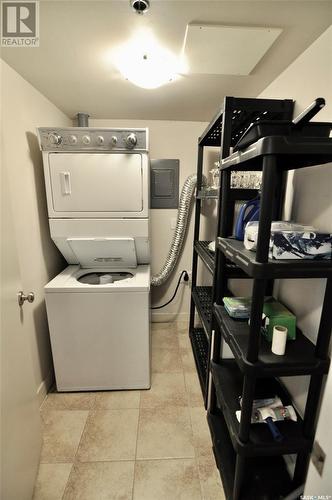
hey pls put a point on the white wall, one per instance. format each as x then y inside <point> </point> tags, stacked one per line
<point>170,140</point>
<point>24,109</point>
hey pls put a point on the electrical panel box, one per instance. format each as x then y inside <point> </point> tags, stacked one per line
<point>165,183</point>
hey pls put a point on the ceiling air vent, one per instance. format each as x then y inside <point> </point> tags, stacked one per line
<point>226,50</point>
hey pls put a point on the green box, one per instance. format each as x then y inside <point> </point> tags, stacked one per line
<point>275,313</point>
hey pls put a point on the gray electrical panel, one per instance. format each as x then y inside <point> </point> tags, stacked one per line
<point>164,183</point>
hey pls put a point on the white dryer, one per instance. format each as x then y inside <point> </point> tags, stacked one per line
<point>97,186</point>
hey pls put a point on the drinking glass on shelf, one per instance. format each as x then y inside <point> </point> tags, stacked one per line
<point>246,180</point>
<point>214,178</point>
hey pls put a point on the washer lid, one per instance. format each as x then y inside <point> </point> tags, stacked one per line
<point>68,281</point>
<point>104,252</point>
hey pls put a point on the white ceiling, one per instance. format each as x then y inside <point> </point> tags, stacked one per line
<point>69,66</point>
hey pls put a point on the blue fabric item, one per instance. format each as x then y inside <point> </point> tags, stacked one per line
<point>249,212</point>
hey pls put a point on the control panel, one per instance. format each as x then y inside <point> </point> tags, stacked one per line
<point>92,139</point>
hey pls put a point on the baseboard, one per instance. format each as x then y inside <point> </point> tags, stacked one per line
<point>44,387</point>
<point>162,317</point>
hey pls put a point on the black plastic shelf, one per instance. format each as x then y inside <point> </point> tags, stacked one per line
<point>235,194</point>
<point>242,194</point>
<point>202,296</point>
<point>299,358</point>
<point>266,478</point>
<point>223,451</point>
<point>245,111</point>
<point>228,381</point>
<point>233,271</point>
<point>290,153</point>
<point>202,248</point>
<point>200,349</point>
<point>235,251</point>
<point>207,194</point>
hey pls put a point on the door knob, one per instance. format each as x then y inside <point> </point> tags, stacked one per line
<point>21,298</point>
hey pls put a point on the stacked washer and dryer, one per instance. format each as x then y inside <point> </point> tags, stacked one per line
<point>97,187</point>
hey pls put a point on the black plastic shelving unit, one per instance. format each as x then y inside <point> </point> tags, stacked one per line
<point>288,153</point>
<point>228,381</point>
<point>200,346</point>
<point>300,358</point>
<point>251,464</point>
<point>255,368</point>
<point>201,248</point>
<point>204,194</point>
<point>223,132</point>
<point>266,478</point>
<point>202,297</point>
<point>247,261</point>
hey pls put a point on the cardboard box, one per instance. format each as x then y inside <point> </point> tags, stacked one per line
<point>275,313</point>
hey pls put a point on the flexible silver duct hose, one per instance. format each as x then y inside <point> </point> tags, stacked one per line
<point>179,233</point>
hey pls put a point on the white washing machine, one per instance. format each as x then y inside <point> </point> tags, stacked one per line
<point>97,185</point>
<point>99,329</point>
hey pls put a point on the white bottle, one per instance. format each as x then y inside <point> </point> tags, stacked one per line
<point>279,339</point>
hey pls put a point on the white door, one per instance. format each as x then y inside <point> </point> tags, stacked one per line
<point>320,485</point>
<point>83,182</point>
<point>20,421</point>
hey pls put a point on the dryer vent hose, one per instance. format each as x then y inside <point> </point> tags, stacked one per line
<point>179,233</point>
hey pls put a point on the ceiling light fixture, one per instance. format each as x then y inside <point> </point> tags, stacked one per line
<point>145,63</point>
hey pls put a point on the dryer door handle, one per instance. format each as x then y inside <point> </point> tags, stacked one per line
<point>65,183</point>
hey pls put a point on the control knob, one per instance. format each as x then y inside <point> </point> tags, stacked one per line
<point>114,140</point>
<point>86,139</point>
<point>131,141</point>
<point>72,139</point>
<point>55,139</point>
<point>100,140</point>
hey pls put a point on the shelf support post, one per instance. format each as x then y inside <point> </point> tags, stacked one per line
<point>200,155</point>
<point>214,355</point>
<point>248,393</point>
<point>267,205</point>
<point>223,223</point>
<point>239,476</point>
<point>258,294</point>
<point>220,278</point>
<point>325,326</point>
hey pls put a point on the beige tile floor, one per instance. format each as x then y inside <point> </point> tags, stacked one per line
<point>140,445</point>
